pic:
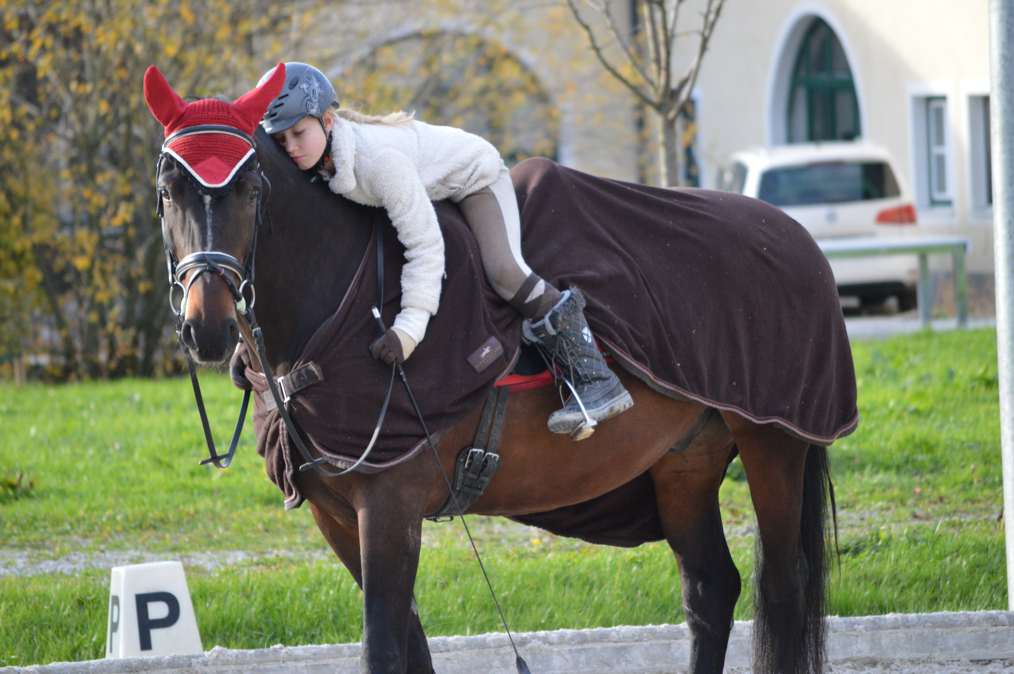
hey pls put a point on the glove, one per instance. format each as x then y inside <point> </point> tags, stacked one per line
<point>394,346</point>
<point>237,368</point>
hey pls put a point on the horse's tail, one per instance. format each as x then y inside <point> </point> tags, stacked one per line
<point>819,520</point>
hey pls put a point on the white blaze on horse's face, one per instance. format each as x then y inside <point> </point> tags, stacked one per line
<point>207,219</point>
<point>197,219</point>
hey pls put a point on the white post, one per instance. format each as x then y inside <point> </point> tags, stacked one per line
<point>1001,61</point>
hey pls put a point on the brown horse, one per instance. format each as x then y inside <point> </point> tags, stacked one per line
<point>305,261</point>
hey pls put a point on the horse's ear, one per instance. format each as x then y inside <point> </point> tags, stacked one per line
<point>164,103</point>
<point>253,104</point>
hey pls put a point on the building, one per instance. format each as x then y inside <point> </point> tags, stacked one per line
<point>909,75</point>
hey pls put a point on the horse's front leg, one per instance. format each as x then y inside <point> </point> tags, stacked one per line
<point>342,534</point>
<point>390,532</point>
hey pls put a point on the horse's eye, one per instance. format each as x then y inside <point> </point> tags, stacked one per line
<point>163,192</point>
<point>254,194</point>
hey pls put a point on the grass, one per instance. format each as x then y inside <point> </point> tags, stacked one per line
<point>125,455</point>
<point>106,467</point>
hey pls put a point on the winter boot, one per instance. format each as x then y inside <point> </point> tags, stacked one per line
<point>596,393</point>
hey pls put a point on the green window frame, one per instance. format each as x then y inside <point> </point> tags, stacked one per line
<point>822,105</point>
<point>937,151</point>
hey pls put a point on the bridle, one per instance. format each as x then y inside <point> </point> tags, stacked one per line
<point>239,279</point>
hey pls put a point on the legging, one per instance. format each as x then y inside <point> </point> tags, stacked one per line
<point>492,214</point>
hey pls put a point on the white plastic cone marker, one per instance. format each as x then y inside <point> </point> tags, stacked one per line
<point>150,612</point>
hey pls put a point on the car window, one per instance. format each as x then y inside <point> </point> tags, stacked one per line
<point>732,178</point>
<point>827,183</point>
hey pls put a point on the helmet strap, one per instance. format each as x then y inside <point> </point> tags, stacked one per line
<point>316,168</point>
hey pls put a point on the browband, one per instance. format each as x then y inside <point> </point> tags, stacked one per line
<point>208,128</point>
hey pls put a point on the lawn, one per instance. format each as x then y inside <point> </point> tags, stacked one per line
<point>99,471</point>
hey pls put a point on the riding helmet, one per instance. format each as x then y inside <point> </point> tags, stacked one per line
<point>307,91</point>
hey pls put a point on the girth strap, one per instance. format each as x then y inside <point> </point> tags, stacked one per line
<point>298,379</point>
<point>476,465</point>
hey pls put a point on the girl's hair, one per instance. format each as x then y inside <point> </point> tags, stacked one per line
<point>391,119</point>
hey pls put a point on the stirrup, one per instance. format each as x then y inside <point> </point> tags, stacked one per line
<point>584,430</point>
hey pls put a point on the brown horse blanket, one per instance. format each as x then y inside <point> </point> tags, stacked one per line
<point>702,294</point>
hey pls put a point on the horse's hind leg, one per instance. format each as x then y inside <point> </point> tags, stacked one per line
<point>789,592</point>
<point>686,488</point>
<point>343,537</point>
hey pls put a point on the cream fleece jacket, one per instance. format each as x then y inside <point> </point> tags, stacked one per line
<point>404,168</point>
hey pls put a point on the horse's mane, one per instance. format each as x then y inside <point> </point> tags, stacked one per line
<point>313,245</point>
<point>276,164</point>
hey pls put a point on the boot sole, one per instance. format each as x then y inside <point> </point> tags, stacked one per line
<point>571,423</point>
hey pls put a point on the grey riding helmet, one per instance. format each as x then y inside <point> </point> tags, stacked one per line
<point>306,92</point>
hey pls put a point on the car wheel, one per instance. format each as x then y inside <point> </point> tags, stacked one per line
<point>873,303</point>
<point>907,299</point>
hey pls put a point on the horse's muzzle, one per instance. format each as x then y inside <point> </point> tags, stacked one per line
<point>210,345</point>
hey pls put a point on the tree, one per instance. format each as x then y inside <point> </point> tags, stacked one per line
<point>643,60</point>
<point>458,79</point>
<point>80,247</point>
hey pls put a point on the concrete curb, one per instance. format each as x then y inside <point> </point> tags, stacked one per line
<point>882,327</point>
<point>897,642</point>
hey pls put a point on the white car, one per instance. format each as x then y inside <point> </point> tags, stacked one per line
<point>837,190</point>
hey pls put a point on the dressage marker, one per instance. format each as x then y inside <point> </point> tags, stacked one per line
<point>150,612</point>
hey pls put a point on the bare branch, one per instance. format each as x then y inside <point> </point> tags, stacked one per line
<point>605,8</point>
<point>640,95</point>
<point>656,49</point>
<point>670,28</point>
<point>686,85</point>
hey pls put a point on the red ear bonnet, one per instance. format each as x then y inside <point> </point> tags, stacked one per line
<point>254,103</point>
<point>212,157</point>
<point>164,103</point>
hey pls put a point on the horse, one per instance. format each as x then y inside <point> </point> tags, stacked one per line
<point>306,250</point>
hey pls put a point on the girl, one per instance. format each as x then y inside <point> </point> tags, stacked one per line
<point>403,165</point>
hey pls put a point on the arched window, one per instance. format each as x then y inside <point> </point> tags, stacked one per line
<point>459,80</point>
<point>822,98</point>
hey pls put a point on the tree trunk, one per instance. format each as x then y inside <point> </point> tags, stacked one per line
<point>19,370</point>
<point>668,153</point>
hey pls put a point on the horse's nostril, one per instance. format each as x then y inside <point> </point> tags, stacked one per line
<point>187,336</point>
